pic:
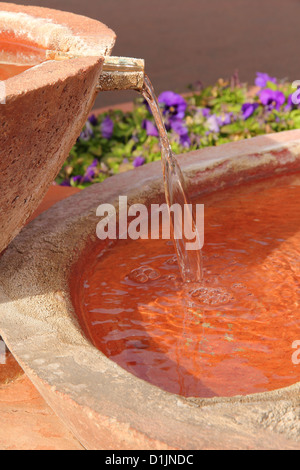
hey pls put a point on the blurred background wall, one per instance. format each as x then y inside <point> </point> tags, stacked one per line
<point>184,41</point>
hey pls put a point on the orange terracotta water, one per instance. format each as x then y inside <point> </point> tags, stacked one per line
<point>233,333</point>
<point>16,57</point>
<point>9,368</point>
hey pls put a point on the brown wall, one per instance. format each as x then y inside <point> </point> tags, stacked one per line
<point>188,40</point>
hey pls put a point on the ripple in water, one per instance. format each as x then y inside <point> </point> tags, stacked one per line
<point>212,296</point>
<point>144,274</point>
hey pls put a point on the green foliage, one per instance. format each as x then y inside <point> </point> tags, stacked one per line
<point>221,104</point>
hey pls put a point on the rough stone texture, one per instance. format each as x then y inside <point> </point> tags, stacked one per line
<point>46,106</point>
<point>105,406</point>
<point>27,422</point>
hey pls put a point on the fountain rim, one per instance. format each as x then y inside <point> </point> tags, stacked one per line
<point>40,326</point>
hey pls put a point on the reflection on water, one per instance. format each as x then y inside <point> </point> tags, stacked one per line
<point>16,57</point>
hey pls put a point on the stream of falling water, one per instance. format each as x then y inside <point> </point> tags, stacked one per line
<point>189,261</point>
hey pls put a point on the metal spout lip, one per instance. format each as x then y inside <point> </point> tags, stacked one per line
<point>122,73</point>
<point>118,73</point>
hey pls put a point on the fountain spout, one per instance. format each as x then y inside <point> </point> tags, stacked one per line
<point>122,73</point>
<point>118,73</point>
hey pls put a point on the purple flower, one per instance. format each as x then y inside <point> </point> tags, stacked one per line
<point>150,128</point>
<point>138,161</point>
<point>290,104</point>
<point>205,112</point>
<point>174,104</point>
<point>263,78</point>
<point>65,183</point>
<point>293,100</point>
<point>185,140</point>
<point>88,176</point>
<point>272,99</point>
<point>87,132</point>
<point>90,172</point>
<point>93,120</point>
<point>107,128</point>
<point>182,131</point>
<point>225,119</point>
<point>77,179</point>
<point>213,124</point>
<point>248,109</point>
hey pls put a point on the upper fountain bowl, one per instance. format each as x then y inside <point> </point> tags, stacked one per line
<point>44,108</point>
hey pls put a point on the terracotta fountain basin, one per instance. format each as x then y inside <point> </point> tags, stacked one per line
<point>46,105</point>
<point>105,406</point>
